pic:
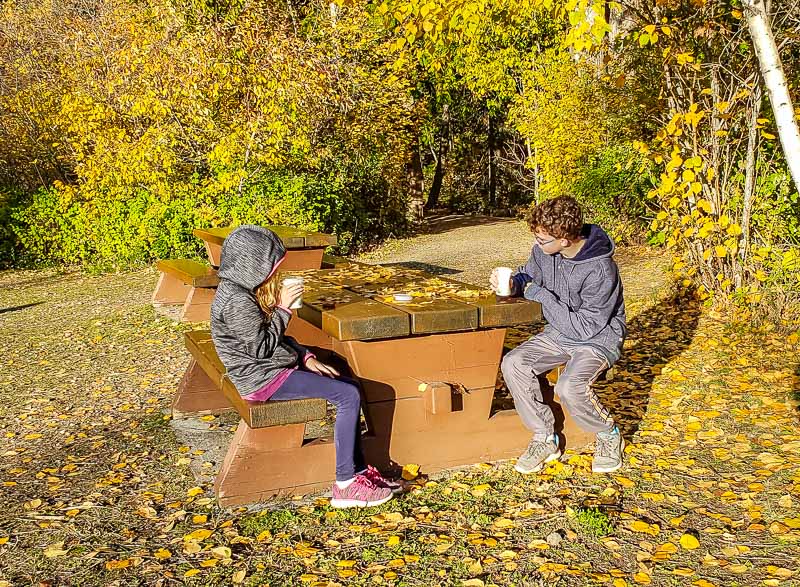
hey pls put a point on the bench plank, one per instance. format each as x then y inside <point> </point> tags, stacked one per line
<point>190,272</point>
<point>255,414</point>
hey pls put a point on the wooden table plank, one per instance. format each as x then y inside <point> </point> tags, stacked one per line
<point>292,238</point>
<point>346,315</point>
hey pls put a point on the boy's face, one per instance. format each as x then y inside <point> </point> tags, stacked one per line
<point>548,243</point>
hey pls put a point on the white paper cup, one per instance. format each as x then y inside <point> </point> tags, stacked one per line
<point>291,281</point>
<point>504,280</point>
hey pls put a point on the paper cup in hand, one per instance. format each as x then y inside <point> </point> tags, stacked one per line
<point>291,281</point>
<point>503,280</point>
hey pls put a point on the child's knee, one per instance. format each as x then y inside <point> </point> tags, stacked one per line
<point>511,363</point>
<point>348,396</point>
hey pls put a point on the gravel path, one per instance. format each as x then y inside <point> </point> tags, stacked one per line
<point>468,247</point>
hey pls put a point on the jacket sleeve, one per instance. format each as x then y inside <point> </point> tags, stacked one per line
<point>525,274</point>
<point>599,294</point>
<point>260,334</point>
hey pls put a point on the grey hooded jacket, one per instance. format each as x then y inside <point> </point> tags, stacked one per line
<point>250,343</point>
<point>581,297</point>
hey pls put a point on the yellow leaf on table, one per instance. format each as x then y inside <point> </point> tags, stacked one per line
<point>411,558</point>
<point>410,472</point>
<point>194,491</point>
<point>162,554</point>
<point>3,540</point>
<point>199,519</point>
<point>346,564</point>
<point>396,563</point>
<point>620,583</point>
<point>642,578</point>
<point>113,565</point>
<point>239,576</point>
<point>198,535</point>
<point>393,541</point>
<point>689,542</point>
<point>793,523</point>
<point>264,536</point>
<point>191,572</point>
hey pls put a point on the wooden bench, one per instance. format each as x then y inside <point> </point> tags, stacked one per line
<point>188,283</point>
<point>267,455</point>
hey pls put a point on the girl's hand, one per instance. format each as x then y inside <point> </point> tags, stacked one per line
<point>319,368</point>
<point>290,294</point>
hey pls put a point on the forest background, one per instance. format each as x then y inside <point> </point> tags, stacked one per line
<point>124,124</point>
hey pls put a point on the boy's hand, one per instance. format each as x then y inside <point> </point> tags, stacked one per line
<point>290,294</point>
<point>493,281</point>
<point>320,368</point>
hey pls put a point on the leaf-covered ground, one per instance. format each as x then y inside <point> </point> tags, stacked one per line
<point>96,490</point>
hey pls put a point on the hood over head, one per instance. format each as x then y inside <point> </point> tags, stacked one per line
<point>250,254</point>
<point>598,244</point>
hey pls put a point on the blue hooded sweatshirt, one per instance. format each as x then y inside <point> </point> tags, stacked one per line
<point>581,297</point>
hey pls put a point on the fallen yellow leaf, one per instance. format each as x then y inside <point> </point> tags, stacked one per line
<point>410,472</point>
<point>689,542</point>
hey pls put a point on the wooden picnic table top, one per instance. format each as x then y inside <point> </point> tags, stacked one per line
<point>293,238</point>
<point>356,302</point>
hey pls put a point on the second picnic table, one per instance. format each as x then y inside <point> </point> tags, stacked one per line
<point>304,248</point>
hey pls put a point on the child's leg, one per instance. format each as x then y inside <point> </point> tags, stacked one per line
<point>574,389</point>
<point>520,367</point>
<point>347,399</point>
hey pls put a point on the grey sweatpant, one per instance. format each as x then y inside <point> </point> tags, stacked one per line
<point>541,354</point>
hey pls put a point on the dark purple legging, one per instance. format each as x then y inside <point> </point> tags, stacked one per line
<point>343,393</point>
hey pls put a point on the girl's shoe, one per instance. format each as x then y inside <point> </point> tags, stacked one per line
<point>375,476</point>
<point>360,493</point>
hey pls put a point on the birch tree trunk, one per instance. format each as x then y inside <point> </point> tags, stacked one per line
<point>769,63</point>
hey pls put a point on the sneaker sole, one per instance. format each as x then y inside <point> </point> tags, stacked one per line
<point>353,503</point>
<point>549,459</point>
<point>611,469</point>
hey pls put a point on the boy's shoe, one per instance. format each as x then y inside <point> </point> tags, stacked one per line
<point>538,453</point>
<point>360,493</point>
<point>608,451</point>
<point>375,476</point>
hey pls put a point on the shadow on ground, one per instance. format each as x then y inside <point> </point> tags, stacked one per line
<point>433,269</point>
<point>655,337</point>
<point>441,223</point>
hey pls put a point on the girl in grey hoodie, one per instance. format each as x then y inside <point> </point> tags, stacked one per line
<point>249,317</point>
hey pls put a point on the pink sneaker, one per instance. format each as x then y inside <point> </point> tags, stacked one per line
<point>360,493</point>
<point>375,476</point>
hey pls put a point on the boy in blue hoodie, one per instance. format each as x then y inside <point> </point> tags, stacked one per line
<point>572,274</point>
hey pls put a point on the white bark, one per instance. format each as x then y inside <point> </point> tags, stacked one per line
<point>769,62</point>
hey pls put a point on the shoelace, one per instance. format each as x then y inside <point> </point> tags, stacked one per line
<point>534,448</point>
<point>366,482</point>
<point>604,446</point>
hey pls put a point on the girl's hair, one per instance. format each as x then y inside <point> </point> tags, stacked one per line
<point>267,293</point>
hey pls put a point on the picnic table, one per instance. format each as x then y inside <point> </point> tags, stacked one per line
<point>304,248</point>
<point>428,370</point>
<point>192,284</point>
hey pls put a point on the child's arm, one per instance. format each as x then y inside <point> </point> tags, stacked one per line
<point>524,275</point>
<point>259,334</point>
<point>600,294</point>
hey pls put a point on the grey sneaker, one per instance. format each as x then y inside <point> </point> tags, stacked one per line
<point>537,455</point>
<point>608,451</point>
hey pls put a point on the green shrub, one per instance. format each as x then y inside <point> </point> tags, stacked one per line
<point>613,187</point>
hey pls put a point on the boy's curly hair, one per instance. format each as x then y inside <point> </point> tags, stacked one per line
<point>561,217</point>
